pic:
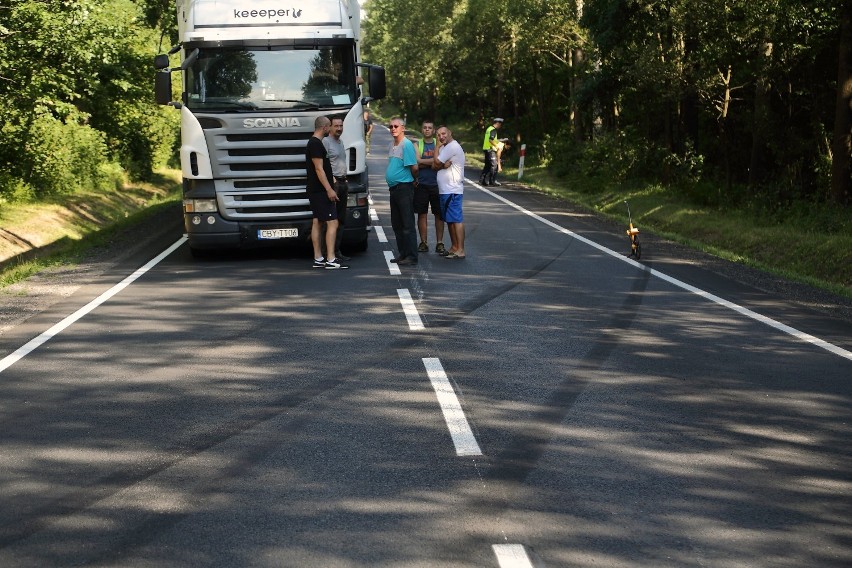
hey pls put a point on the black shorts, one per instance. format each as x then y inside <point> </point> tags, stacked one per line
<point>341,188</point>
<point>323,208</point>
<point>426,195</point>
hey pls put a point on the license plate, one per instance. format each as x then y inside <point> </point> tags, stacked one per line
<point>277,233</point>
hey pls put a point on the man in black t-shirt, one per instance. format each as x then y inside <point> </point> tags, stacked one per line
<point>321,194</point>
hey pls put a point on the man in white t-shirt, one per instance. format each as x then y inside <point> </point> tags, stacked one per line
<point>449,161</point>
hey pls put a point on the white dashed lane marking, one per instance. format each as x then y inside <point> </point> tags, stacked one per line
<point>392,268</point>
<point>457,424</point>
<point>380,234</point>
<point>414,321</point>
<point>512,556</point>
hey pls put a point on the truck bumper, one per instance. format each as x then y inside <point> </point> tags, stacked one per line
<point>208,231</point>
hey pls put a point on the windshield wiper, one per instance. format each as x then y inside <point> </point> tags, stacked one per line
<point>297,101</point>
<point>237,104</point>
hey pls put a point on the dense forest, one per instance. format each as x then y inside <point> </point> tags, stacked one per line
<point>77,106</point>
<point>731,100</point>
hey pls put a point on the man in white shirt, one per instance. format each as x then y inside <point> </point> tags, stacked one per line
<point>449,161</point>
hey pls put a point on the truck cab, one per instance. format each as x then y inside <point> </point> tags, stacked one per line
<point>255,78</point>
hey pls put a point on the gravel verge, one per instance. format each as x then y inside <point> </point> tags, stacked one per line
<point>24,299</point>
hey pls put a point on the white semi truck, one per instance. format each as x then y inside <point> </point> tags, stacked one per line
<point>256,74</point>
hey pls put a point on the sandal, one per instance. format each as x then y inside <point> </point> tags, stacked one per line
<point>454,256</point>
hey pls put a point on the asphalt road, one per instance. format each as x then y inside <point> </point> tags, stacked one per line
<point>544,402</point>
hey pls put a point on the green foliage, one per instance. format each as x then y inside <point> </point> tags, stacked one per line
<point>15,189</point>
<point>66,157</point>
<point>692,93</point>
<point>480,58</point>
<point>802,241</point>
<point>143,137</point>
<point>620,156</point>
<point>75,80</point>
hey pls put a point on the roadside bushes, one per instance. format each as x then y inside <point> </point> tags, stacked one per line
<point>143,136</point>
<point>65,157</point>
<point>77,105</point>
<point>55,157</point>
<point>59,157</point>
<point>621,156</point>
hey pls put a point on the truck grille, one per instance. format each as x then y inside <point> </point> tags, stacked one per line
<point>260,173</point>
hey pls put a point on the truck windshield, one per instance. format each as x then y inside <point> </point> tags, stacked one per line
<point>246,79</point>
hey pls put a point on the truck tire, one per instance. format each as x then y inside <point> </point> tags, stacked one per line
<point>199,254</point>
<point>362,246</point>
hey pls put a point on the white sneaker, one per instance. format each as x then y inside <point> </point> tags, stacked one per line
<point>334,264</point>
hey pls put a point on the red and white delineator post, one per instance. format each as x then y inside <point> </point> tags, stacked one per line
<point>521,163</point>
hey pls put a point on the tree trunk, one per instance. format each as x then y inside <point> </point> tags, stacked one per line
<point>540,108</point>
<point>515,104</point>
<point>501,81</point>
<point>723,132</point>
<point>689,102</point>
<point>576,64</point>
<point>577,58</point>
<point>842,144</point>
<point>760,130</point>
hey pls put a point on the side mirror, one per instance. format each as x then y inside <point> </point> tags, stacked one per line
<point>378,87</point>
<point>376,82</point>
<point>163,87</point>
<point>161,62</point>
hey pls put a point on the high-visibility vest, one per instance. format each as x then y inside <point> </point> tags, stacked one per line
<point>420,144</point>
<point>486,144</point>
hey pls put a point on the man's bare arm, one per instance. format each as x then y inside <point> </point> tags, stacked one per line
<point>329,190</point>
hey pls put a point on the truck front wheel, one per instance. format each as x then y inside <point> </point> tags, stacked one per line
<point>362,246</point>
<point>199,254</point>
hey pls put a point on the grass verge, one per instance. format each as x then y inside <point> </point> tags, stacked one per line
<point>36,236</point>
<point>810,244</point>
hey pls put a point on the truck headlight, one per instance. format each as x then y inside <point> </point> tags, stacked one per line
<point>199,205</point>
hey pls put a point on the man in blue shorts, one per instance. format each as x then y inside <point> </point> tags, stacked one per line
<point>426,191</point>
<point>449,162</point>
<point>322,196</point>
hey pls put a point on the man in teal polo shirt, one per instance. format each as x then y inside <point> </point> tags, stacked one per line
<point>400,175</point>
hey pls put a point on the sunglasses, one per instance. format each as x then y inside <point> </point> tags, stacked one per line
<point>395,126</point>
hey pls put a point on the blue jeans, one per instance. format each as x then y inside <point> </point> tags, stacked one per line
<point>403,221</point>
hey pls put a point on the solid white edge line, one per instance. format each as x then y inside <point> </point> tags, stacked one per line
<point>392,268</point>
<point>380,233</point>
<point>40,340</point>
<point>830,347</point>
<point>463,438</point>
<point>410,310</point>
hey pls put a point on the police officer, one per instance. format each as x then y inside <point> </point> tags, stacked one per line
<point>490,145</point>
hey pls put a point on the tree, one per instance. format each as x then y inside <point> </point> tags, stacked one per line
<point>842,144</point>
<point>75,81</point>
<point>478,58</point>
